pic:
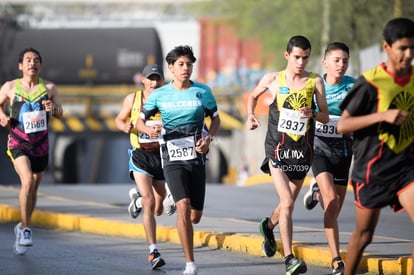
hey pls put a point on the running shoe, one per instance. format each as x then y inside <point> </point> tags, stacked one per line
<point>269,243</point>
<point>168,203</point>
<point>18,249</point>
<point>135,205</point>
<point>155,259</point>
<point>295,267</point>
<point>26,237</point>
<point>191,270</point>
<point>309,200</point>
<point>337,266</point>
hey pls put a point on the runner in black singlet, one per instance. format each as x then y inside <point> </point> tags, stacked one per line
<point>289,139</point>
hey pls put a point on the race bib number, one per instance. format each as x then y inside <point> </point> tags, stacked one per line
<point>144,138</point>
<point>329,129</point>
<point>181,149</point>
<point>291,122</point>
<point>34,122</point>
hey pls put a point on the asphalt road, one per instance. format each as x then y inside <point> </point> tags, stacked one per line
<point>230,211</point>
<point>59,252</point>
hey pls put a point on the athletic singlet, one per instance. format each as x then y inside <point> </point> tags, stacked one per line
<point>288,99</point>
<point>28,121</point>
<point>335,94</point>
<point>328,141</point>
<point>138,139</point>
<point>285,148</point>
<point>382,149</point>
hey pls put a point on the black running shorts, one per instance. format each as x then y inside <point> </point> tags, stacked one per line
<point>38,164</point>
<point>187,181</point>
<point>337,166</point>
<point>145,162</point>
<point>379,194</point>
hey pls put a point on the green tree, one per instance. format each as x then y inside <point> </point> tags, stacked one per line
<point>358,23</point>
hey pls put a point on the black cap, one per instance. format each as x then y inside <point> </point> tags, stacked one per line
<point>151,69</point>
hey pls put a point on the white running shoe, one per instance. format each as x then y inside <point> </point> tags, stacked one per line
<point>135,205</point>
<point>168,203</point>
<point>18,249</point>
<point>26,237</point>
<point>191,270</point>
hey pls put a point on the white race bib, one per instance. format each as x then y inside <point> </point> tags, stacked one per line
<point>329,129</point>
<point>144,138</point>
<point>181,149</point>
<point>34,122</point>
<point>291,122</point>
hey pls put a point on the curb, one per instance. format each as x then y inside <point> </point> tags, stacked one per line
<point>249,244</point>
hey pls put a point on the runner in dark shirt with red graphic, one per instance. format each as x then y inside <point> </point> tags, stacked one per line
<point>379,110</point>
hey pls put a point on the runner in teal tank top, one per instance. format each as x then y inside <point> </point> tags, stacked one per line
<point>332,151</point>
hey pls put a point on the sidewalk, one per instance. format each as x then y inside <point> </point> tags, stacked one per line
<point>101,209</point>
